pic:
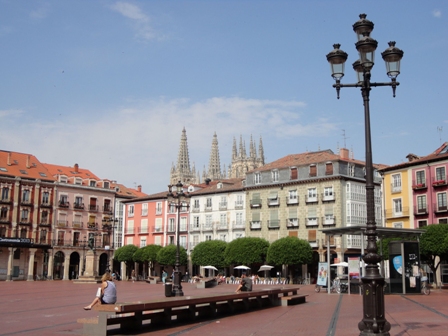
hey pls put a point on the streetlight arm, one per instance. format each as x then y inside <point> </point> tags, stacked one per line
<point>394,84</point>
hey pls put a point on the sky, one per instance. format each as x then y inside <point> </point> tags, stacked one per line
<point>111,84</point>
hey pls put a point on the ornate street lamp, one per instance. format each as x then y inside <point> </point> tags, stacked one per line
<point>110,224</point>
<point>179,200</point>
<point>374,318</point>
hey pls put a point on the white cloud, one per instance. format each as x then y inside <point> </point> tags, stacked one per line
<point>437,13</point>
<point>7,113</point>
<point>138,143</point>
<point>141,21</point>
<point>41,12</point>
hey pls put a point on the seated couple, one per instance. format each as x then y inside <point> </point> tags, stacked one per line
<point>245,284</point>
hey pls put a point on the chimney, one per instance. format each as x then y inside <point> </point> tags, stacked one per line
<point>139,188</point>
<point>343,153</point>
<point>9,159</point>
<point>207,181</point>
<point>27,161</point>
<point>76,168</point>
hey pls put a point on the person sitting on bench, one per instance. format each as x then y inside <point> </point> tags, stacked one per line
<point>245,284</point>
<point>108,292</point>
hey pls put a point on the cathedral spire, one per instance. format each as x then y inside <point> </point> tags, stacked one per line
<point>182,171</point>
<point>214,166</point>
<point>241,151</point>
<point>252,150</point>
<point>234,150</point>
<point>261,152</point>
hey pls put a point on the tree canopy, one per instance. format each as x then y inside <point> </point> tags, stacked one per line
<point>167,255</point>
<point>289,251</point>
<point>246,250</point>
<point>147,254</point>
<point>210,252</point>
<point>434,243</point>
<point>125,253</point>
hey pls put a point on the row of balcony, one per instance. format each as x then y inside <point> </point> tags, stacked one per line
<point>418,211</point>
<point>275,202</point>
<point>222,206</point>
<point>89,207</point>
<point>422,184</point>
<point>292,223</point>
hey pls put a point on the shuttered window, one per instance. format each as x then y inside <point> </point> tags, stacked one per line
<point>329,168</point>
<point>294,174</point>
<point>312,235</point>
<point>313,170</point>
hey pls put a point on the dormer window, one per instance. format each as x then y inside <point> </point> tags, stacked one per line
<point>78,181</point>
<point>257,178</point>
<point>219,185</point>
<point>274,174</point>
<point>92,183</point>
<point>106,185</point>
<point>63,179</point>
<point>313,170</point>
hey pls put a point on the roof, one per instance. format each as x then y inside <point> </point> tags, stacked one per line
<point>125,192</point>
<point>152,197</point>
<point>308,158</point>
<point>382,232</point>
<point>68,171</point>
<point>23,165</point>
<point>220,186</point>
<point>439,154</point>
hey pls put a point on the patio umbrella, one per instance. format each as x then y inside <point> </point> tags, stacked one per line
<point>342,264</point>
<point>265,268</point>
<point>242,267</point>
<point>210,267</point>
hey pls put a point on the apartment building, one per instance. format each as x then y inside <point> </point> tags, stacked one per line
<point>300,194</point>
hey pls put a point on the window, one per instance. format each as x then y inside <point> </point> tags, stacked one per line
<point>145,209</point>
<point>443,221</point>
<point>45,197</point>
<point>351,170</point>
<point>422,223</point>
<point>294,175</point>
<point>131,210</point>
<point>239,201</point>
<point>328,194</point>
<point>292,218</point>
<point>398,208</point>
<point>255,223</point>
<point>255,202</point>
<point>183,241</point>
<point>61,238</point>
<point>208,237</point>
<point>142,241</point>
<point>273,198</point>
<point>396,182</point>
<point>78,202</point>
<point>26,196</point>
<point>106,185</point>
<point>421,203</point>
<point>398,225</point>
<point>208,204</point>
<point>274,175</point>
<point>130,227</point>
<point>78,181</point>
<point>208,221</point>
<point>5,194</point>
<point>158,224</point>
<point>440,174</point>
<point>441,201</point>
<point>274,223</point>
<point>329,168</point>
<point>63,200</point>
<point>257,178</point>
<point>239,219</point>
<point>44,217</point>
<point>4,213</point>
<point>312,216</point>
<point>312,195</point>
<point>63,179</point>
<point>24,215</point>
<point>183,224</point>
<point>313,170</point>
<point>171,225</point>
<point>93,183</point>
<point>223,237</point>
<point>223,202</point>
<point>420,176</point>
<point>196,222</point>
<point>196,204</point>
<point>158,208</point>
<point>144,226</point>
<point>292,197</point>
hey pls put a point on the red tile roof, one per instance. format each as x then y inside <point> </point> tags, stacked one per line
<point>126,192</point>
<point>74,171</point>
<point>23,165</point>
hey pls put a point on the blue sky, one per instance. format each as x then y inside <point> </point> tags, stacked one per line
<point>110,84</point>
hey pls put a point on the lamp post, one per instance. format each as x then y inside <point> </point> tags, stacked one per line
<point>109,224</point>
<point>84,244</point>
<point>374,321</point>
<point>178,200</point>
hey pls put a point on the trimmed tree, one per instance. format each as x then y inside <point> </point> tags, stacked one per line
<point>147,255</point>
<point>289,251</point>
<point>246,251</point>
<point>167,255</point>
<point>125,254</point>
<point>433,244</point>
<point>210,252</point>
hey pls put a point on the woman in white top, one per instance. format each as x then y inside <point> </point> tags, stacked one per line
<point>108,292</point>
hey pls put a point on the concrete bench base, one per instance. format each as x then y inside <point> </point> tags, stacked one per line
<point>293,299</point>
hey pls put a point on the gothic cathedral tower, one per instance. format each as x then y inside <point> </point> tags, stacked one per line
<point>182,172</point>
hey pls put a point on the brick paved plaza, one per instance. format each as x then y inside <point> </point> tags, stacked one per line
<point>52,308</point>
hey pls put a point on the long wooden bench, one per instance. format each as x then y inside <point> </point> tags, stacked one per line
<point>132,316</point>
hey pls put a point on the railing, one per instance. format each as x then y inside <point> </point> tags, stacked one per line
<point>92,226</point>
<point>171,228</point>
<point>108,209</point>
<point>328,198</point>
<point>222,226</point>
<point>195,209</point>
<point>392,213</point>
<point>273,224</point>
<point>208,208</point>
<point>129,230</point>
<point>143,230</point>
<point>183,228</point>
<point>312,221</point>
<point>61,224</point>
<point>222,205</point>
<point>239,205</point>
<point>157,229</point>
<point>4,220</point>
<point>255,203</point>
<point>255,225</point>
<point>158,211</point>
<point>329,220</point>
<point>313,243</point>
<point>195,227</point>
<point>416,185</point>
<point>292,223</point>
<point>93,207</point>
<point>25,202</point>
<point>78,206</point>
<point>5,200</point>
<point>440,208</point>
<point>292,201</point>
<point>395,187</point>
<point>238,225</point>
<point>273,202</point>
<point>25,221</point>
<point>64,204</point>
<point>207,227</point>
<point>439,182</point>
<point>45,205</point>
<point>418,211</point>
<point>77,225</point>
<point>311,199</point>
